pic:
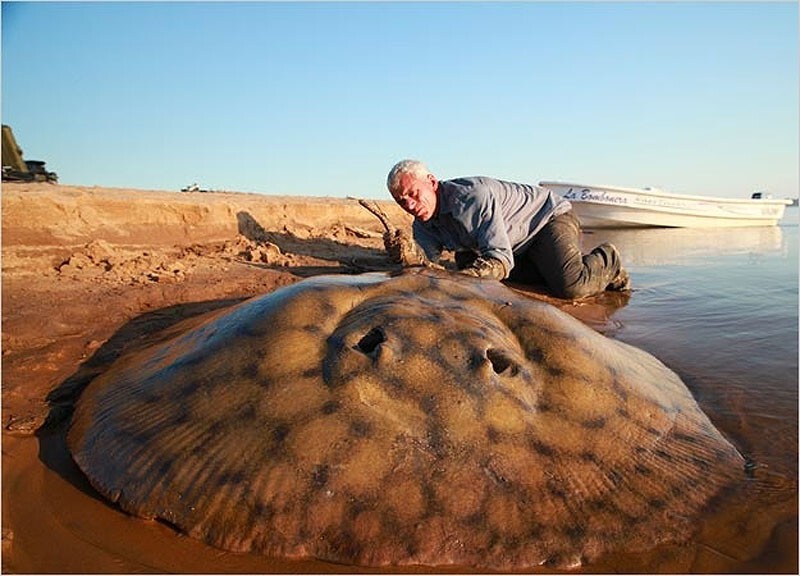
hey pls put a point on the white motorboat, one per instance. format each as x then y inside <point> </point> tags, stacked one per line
<point>615,207</point>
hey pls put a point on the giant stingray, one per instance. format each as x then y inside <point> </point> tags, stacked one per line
<point>420,418</point>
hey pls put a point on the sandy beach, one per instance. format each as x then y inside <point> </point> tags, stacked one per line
<point>89,273</point>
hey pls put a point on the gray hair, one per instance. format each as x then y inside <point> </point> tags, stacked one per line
<point>413,167</point>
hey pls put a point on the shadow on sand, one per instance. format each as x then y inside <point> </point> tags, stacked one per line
<point>351,258</point>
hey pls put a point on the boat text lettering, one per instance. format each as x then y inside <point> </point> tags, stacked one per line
<point>589,195</point>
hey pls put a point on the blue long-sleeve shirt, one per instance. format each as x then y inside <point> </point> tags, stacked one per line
<point>493,218</point>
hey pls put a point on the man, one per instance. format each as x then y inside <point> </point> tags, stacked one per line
<point>498,230</point>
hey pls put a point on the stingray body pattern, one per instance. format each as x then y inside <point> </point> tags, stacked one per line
<point>421,418</point>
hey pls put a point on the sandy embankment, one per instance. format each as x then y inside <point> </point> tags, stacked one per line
<point>80,264</point>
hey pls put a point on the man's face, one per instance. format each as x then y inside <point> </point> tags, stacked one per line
<point>417,195</point>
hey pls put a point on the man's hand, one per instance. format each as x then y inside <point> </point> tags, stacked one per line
<point>402,249</point>
<point>486,268</point>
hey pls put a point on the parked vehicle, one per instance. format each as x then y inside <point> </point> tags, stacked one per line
<point>17,169</point>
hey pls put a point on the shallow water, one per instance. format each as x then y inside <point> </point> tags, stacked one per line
<point>720,307</point>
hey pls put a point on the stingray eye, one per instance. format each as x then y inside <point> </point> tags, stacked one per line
<point>501,361</point>
<point>371,340</point>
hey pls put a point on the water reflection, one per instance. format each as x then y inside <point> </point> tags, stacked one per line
<point>649,246</point>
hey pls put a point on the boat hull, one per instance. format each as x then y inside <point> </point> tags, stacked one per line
<point>613,207</point>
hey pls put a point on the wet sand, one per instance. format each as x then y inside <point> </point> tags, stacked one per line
<point>91,273</point>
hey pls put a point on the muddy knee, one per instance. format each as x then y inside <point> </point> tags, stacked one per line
<point>609,255</point>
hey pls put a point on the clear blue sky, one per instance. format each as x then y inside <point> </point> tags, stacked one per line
<point>322,98</point>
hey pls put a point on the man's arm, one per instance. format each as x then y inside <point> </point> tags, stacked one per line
<point>483,220</point>
<point>486,268</point>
